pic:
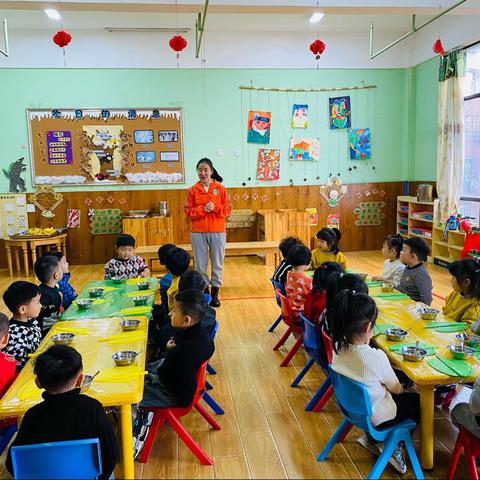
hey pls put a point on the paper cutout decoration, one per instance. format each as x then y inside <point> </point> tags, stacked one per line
<point>59,147</point>
<point>359,143</point>
<point>46,199</point>
<point>105,221</point>
<point>300,116</point>
<point>13,215</point>
<point>73,218</point>
<point>243,218</point>
<point>259,127</point>
<point>268,166</point>
<point>304,149</point>
<point>333,220</point>
<point>340,113</point>
<point>369,213</point>
<point>333,191</point>
<point>312,216</point>
<point>15,169</point>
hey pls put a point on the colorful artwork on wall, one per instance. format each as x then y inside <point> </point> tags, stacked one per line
<point>369,213</point>
<point>340,113</point>
<point>268,166</point>
<point>259,127</point>
<point>105,221</point>
<point>73,218</point>
<point>300,116</point>
<point>312,216</point>
<point>304,149</point>
<point>333,191</point>
<point>333,220</point>
<point>359,139</point>
<point>59,147</point>
<point>13,215</point>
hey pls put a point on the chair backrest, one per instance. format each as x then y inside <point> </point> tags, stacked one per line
<point>327,345</point>
<point>214,331</point>
<point>286,309</point>
<point>311,340</point>
<point>58,460</point>
<point>6,435</point>
<point>207,297</point>
<point>280,287</point>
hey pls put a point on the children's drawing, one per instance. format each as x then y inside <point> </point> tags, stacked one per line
<point>312,216</point>
<point>15,169</point>
<point>333,191</point>
<point>304,149</point>
<point>340,114</point>
<point>359,143</point>
<point>259,127</point>
<point>300,116</point>
<point>73,218</point>
<point>268,166</point>
<point>333,220</point>
<point>369,213</point>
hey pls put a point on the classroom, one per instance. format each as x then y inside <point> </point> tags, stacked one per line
<point>240,239</point>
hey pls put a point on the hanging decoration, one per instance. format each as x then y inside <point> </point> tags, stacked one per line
<point>359,143</point>
<point>62,39</point>
<point>333,191</point>
<point>369,213</point>
<point>46,199</point>
<point>105,221</point>
<point>304,149</point>
<point>317,48</point>
<point>312,216</point>
<point>268,165</point>
<point>438,47</point>
<point>340,112</point>
<point>333,220</point>
<point>258,127</point>
<point>177,44</point>
<point>73,218</point>
<point>300,116</point>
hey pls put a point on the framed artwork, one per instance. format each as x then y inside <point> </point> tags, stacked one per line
<point>145,157</point>
<point>169,156</point>
<point>143,136</point>
<point>168,136</point>
<point>259,127</point>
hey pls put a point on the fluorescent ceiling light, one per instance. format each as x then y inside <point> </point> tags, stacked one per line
<point>316,17</point>
<point>52,14</point>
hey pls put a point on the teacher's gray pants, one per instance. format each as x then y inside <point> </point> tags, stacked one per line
<point>213,243</point>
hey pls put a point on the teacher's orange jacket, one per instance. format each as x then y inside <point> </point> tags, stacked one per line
<point>197,198</point>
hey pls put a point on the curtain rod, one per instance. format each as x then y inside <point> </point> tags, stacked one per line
<point>333,89</point>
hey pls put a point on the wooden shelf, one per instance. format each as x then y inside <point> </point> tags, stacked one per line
<point>420,220</point>
<point>421,236</point>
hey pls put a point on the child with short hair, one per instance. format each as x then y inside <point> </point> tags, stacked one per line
<point>48,271</point>
<point>176,262</point>
<point>392,266</point>
<point>68,292</point>
<point>7,366</point>
<point>166,280</point>
<point>466,414</point>
<point>328,249</point>
<point>280,273</point>
<point>315,301</point>
<point>25,333</point>
<point>65,414</point>
<point>463,304</point>
<point>126,264</point>
<point>354,315</point>
<point>416,281</point>
<point>298,285</point>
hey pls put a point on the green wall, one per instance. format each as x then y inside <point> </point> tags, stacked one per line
<point>215,116</point>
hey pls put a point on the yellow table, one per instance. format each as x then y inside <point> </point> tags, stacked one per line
<point>425,377</point>
<point>114,386</point>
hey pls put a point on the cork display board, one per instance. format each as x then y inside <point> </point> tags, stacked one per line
<point>106,146</point>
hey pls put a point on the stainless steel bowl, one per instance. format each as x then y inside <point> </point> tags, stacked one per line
<point>124,358</point>
<point>470,340</point>
<point>96,292</point>
<point>117,280</point>
<point>143,285</point>
<point>430,314</point>
<point>140,300</point>
<point>84,303</point>
<point>413,354</point>
<point>87,381</point>
<point>388,287</point>
<point>395,334</point>
<point>363,276</point>
<point>129,325</point>
<point>63,338</point>
<point>460,353</point>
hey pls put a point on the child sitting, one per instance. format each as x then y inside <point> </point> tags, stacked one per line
<point>166,280</point>
<point>7,367</point>
<point>392,266</point>
<point>176,262</point>
<point>298,285</point>
<point>328,250</point>
<point>65,414</point>
<point>467,415</point>
<point>416,281</point>
<point>47,269</point>
<point>25,334</point>
<point>463,304</point>
<point>280,273</point>
<point>68,292</point>
<point>315,301</point>
<point>354,315</point>
<point>126,264</point>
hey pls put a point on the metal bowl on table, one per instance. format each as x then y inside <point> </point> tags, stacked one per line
<point>63,338</point>
<point>470,340</point>
<point>124,358</point>
<point>140,300</point>
<point>117,280</point>
<point>460,352</point>
<point>429,314</point>
<point>84,303</point>
<point>129,325</point>
<point>413,354</point>
<point>396,334</point>
<point>87,381</point>
<point>96,292</point>
<point>143,285</point>
<point>387,287</point>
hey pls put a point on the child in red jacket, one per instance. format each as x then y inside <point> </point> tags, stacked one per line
<point>7,366</point>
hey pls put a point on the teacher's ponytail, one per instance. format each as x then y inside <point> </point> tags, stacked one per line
<point>215,175</point>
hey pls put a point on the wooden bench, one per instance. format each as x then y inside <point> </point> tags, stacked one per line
<point>267,248</point>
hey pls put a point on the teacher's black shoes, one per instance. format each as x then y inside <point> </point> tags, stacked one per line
<point>215,301</point>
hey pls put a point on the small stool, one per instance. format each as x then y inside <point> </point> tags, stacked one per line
<point>471,448</point>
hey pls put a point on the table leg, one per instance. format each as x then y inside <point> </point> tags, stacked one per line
<point>25,260</point>
<point>63,247</point>
<point>9,260</point>
<point>426,426</point>
<point>34,254</point>
<point>126,437</point>
<point>17,260</point>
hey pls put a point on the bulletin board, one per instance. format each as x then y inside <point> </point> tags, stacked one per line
<point>106,146</point>
<point>13,214</point>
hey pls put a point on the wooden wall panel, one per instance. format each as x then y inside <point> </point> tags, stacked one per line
<point>84,248</point>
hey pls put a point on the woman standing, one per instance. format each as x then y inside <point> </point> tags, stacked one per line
<point>207,207</point>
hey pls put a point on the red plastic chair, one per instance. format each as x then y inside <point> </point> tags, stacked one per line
<point>293,325</point>
<point>172,414</point>
<point>471,448</point>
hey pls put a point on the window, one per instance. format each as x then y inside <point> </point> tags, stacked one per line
<point>470,201</point>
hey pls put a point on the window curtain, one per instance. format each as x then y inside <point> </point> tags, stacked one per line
<point>450,154</point>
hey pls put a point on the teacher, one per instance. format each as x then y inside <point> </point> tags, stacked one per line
<point>207,207</point>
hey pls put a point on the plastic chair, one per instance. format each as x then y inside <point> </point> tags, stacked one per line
<point>277,286</point>
<point>293,327</point>
<point>210,369</point>
<point>206,396</point>
<point>207,297</point>
<point>354,402</point>
<point>171,416</point>
<point>58,460</point>
<point>471,448</point>
<point>6,435</point>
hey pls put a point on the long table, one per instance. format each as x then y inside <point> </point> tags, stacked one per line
<point>114,386</point>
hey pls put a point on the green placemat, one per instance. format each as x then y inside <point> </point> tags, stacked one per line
<point>390,296</point>
<point>451,367</point>
<point>375,284</point>
<point>431,349</point>
<point>447,327</point>
<point>378,329</point>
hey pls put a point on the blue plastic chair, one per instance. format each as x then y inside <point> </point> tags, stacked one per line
<point>58,460</point>
<point>354,402</point>
<point>210,369</point>
<point>277,286</point>
<point>206,396</point>
<point>207,297</point>
<point>6,435</point>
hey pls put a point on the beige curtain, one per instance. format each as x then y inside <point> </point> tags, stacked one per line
<point>450,154</point>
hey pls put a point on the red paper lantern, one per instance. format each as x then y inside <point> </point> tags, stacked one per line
<point>465,225</point>
<point>317,48</point>
<point>177,43</point>
<point>438,47</point>
<point>62,38</point>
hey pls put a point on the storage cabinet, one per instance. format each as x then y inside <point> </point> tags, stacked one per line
<point>446,251</point>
